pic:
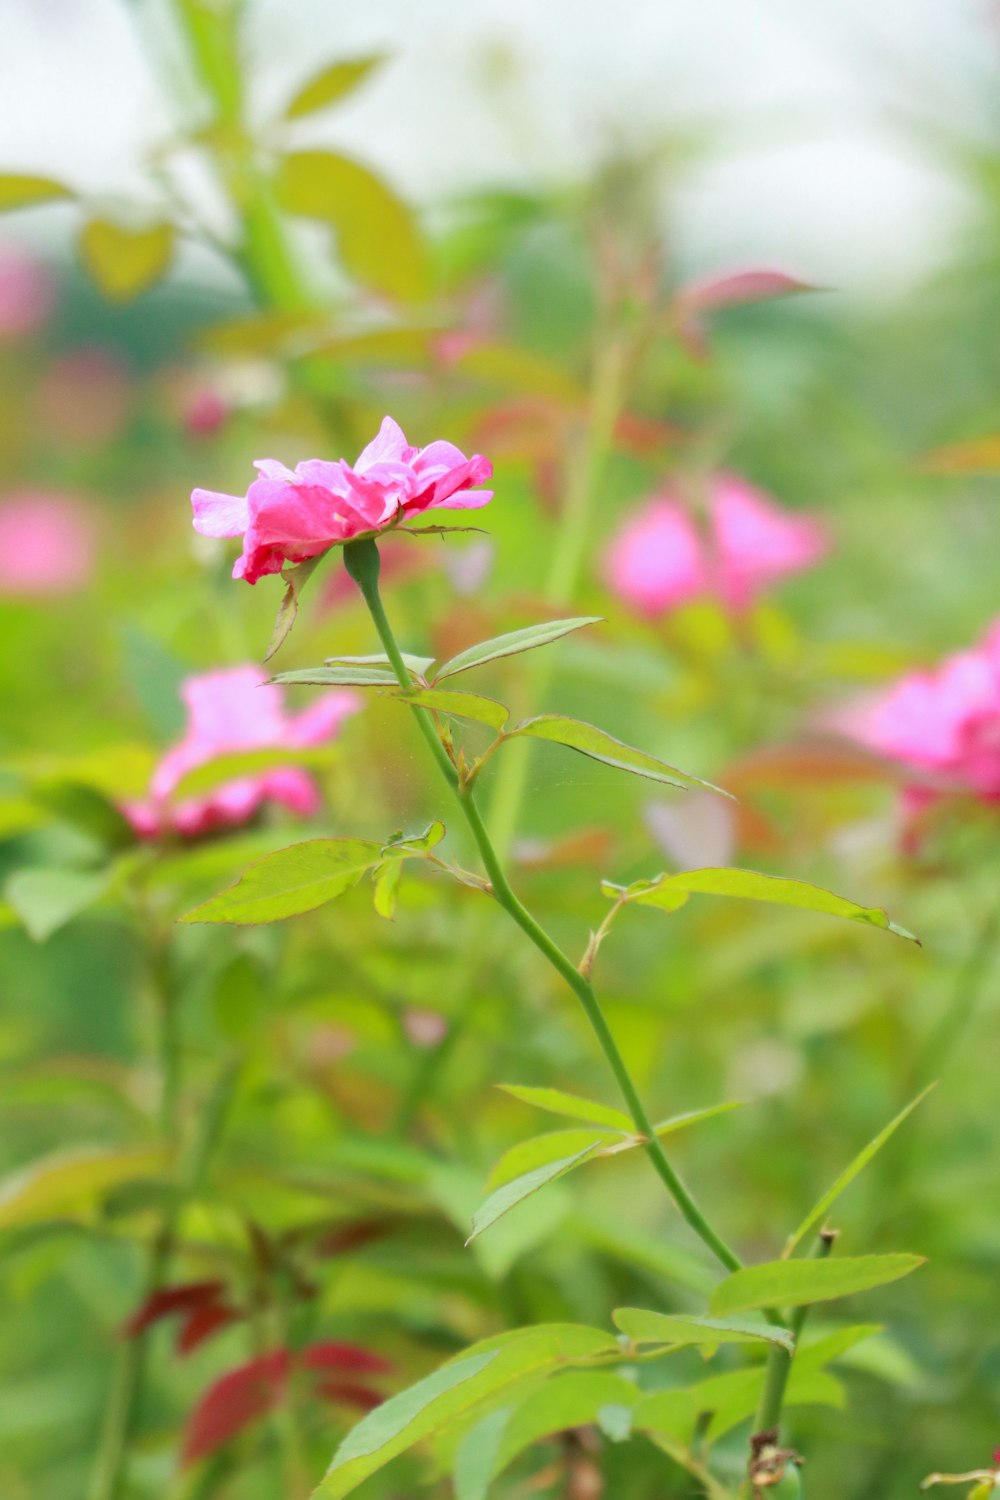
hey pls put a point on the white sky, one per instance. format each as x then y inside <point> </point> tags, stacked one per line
<point>817,170</point>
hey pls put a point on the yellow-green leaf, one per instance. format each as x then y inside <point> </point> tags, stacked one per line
<point>558,1102</point>
<point>291,881</point>
<point>71,1183</point>
<point>378,239</point>
<point>22,190</point>
<point>123,262</point>
<point>332,83</point>
<point>645,1327</point>
<point>460,705</point>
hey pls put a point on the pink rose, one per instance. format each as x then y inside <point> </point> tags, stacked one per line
<point>46,544</point>
<point>228,711</point>
<point>289,516</point>
<point>660,559</point>
<point>944,723</point>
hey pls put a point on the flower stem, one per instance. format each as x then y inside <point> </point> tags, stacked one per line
<point>361,560</point>
<point>779,1361</point>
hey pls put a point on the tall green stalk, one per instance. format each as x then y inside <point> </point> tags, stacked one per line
<point>362,562</point>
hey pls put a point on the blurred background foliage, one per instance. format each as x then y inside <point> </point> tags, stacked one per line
<point>336,1119</point>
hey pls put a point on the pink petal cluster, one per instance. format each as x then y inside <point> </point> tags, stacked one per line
<point>287,516</point>
<point>27,291</point>
<point>659,559</point>
<point>944,723</point>
<point>232,710</point>
<point>46,544</point>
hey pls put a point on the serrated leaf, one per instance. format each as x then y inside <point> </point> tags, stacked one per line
<point>295,579</point>
<point>671,891</point>
<point>124,262</point>
<point>416,844</point>
<point>290,881</point>
<point>512,1193</point>
<point>461,705</point>
<point>847,1176</point>
<point>644,1327</point>
<point>46,899</point>
<point>378,240</point>
<point>484,1372</point>
<point>596,743</point>
<point>557,1102</point>
<point>415,664</point>
<point>541,1149</point>
<point>512,644</point>
<point>798,1283</point>
<point>23,190</point>
<point>68,1182</point>
<point>346,676</point>
<point>332,83</point>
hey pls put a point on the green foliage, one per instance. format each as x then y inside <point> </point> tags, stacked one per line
<point>291,881</point>
<point>123,262</point>
<point>513,643</point>
<point>331,84</point>
<point>798,1283</point>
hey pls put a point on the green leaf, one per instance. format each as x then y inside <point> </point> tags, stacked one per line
<point>483,1372</point>
<point>847,1176</point>
<point>290,881</point>
<point>695,1117</point>
<point>239,763</point>
<point>512,644</point>
<point>416,664</point>
<point>332,83</point>
<point>520,371</point>
<point>599,745</point>
<point>386,878</point>
<point>615,1421</point>
<point>123,262</point>
<point>797,1283</point>
<point>538,1150</point>
<point>671,891</point>
<point>345,676</point>
<point>644,1327</point>
<point>46,899</point>
<point>462,705</point>
<point>21,190</point>
<point>417,844</point>
<point>822,1351</point>
<point>71,1183</point>
<point>512,1193</point>
<point>378,240</point>
<point>476,1459</point>
<point>559,1103</point>
<point>561,1404</point>
<point>295,579</point>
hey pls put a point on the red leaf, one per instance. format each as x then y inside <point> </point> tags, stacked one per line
<point>202,1323</point>
<point>172,1299</point>
<point>348,1394</point>
<point>329,1355</point>
<point>234,1401</point>
<point>351,1236</point>
<point>733,289</point>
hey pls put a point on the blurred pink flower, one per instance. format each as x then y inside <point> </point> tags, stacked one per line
<point>205,411</point>
<point>289,516</point>
<point>46,544</point>
<point>658,560</point>
<point>944,723</point>
<point>232,710</point>
<point>27,291</point>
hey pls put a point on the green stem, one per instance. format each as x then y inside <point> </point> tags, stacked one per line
<point>362,562</point>
<point>940,1044</point>
<point>779,1361</point>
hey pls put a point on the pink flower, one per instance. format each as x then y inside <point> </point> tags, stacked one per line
<point>943,723</point>
<point>229,711</point>
<point>659,560</point>
<point>27,292</point>
<point>289,516</point>
<point>46,544</point>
